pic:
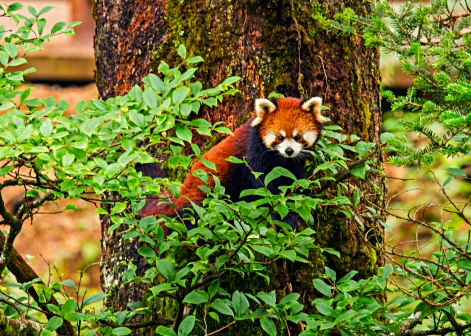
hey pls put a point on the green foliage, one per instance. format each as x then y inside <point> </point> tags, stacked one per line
<point>431,43</point>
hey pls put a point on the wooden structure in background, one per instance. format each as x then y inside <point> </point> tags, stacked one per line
<point>66,58</point>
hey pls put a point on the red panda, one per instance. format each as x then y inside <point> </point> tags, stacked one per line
<point>280,134</point>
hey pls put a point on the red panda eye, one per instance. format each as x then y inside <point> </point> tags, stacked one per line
<point>297,137</point>
<point>280,138</point>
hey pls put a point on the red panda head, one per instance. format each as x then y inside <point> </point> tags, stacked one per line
<point>289,126</point>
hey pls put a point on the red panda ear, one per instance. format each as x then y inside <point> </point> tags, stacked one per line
<point>314,105</point>
<point>262,107</point>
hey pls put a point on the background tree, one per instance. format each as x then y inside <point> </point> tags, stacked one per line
<point>272,46</point>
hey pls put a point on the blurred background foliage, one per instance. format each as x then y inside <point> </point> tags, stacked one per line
<point>75,242</point>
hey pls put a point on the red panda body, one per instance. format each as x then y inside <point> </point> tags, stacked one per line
<point>279,135</point>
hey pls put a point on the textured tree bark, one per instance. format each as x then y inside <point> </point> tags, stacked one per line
<point>18,327</point>
<point>273,45</point>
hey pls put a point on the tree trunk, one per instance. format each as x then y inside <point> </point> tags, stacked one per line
<point>274,46</point>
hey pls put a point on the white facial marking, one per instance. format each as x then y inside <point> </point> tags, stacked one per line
<point>283,133</point>
<point>295,133</point>
<point>294,145</point>
<point>310,137</point>
<point>269,139</point>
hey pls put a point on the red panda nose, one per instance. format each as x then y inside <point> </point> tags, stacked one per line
<point>289,151</point>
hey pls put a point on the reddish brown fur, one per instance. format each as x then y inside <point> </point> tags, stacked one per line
<point>288,116</point>
<point>231,146</point>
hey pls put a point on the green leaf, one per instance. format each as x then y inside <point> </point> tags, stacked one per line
<point>328,325</point>
<point>94,298</point>
<point>349,314</point>
<point>356,198</point>
<point>183,133</point>
<point>234,160</point>
<point>186,326</point>
<point>265,250</point>
<point>67,160</point>
<point>330,273</point>
<point>17,62</point>
<point>269,299</point>
<point>213,287</point>
<point>195,88</point>
<point>69,283</point>
<point>32,193</point>
<point>137,118</point>
<point>68,307</point>
<point>165,331</point>
<point>448,180</point>
<point>346,332</point>
<point>150,98</point>
<point>340,200</point>
<point>165,268</point>
<point>58,27</point>
<point>32,11</point>
<point>74,24</point>
<point>182,51</point>
<point>214,316</point>
<point>11,49</point>
<point>160,288</point>
<point>128,144</point>
<point>146,251</point>
<point>71,207</point>
<point>223,130</point>
<point>288,254</point>
<point>456,171</point>
<point>180,94</point>
<point>212,101</point>
<point>322,287</point>
<point>240,303</point>
<point>230,80</point>
<point>195,298</point>
<point>53,323</point>
<point>290,298</point>
<point>91,332</point>
<point>221,307</point>
<point>208,164</point>
<point>185,109</point>
<point>277,172</point>
<point>324,309</point>
<point>14,7</point>
<point>122,331</point>
<point>359,171</point>
<point>363,148</point>
<point>4,58</point>
<point>46,127</point>
<point>195,59</point>
<point>41,23</point>
<point>5,170</point>
<point>45,10</point>
<point>112,170</point>
<point>268,325</point>
<point>385,136</point>
<point>348,276</point>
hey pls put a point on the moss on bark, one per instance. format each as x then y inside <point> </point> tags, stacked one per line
<point>17,327</point>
